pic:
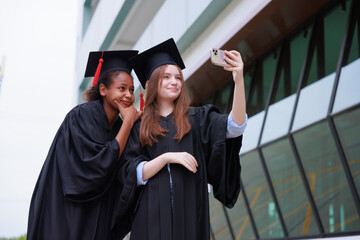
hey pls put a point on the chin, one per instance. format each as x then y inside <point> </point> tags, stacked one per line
<point>174,97</point>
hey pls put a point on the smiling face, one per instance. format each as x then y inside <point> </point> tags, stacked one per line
<point>170,84</point>
<point>121,89</point>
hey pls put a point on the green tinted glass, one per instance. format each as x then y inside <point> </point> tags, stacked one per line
<point>348,128</point>
<point>285,176</point>
<point>240,220</point>
<point>258,193</point>
<point>327,178</point>
<point>223,97</point>
<point>354,53</point>
<point>263,77</point>
<point>292,62</point>
<point>248,75</point>
<point>329,36</point>
<point>218,222</point>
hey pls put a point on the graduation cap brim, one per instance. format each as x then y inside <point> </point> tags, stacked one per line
<point>112,61</point>
<point>146,62</point>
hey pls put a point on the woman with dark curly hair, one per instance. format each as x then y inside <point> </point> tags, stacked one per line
<point>74,195</point>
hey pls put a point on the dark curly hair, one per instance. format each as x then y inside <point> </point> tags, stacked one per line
<point>93,93</point>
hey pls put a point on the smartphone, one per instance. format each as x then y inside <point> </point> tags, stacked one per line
<point>218,57</point>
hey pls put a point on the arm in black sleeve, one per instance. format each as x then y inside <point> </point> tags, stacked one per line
<point>222,155</point>
<point>85,154</point>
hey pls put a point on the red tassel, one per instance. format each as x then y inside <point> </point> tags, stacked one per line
<point>142,102</point>
<point>98,69</point>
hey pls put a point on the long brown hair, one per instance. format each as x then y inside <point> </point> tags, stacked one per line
<point>150,127</point>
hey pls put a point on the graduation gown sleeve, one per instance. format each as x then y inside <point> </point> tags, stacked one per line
<point>73,196</point>
<point>221,155</point>
<point>128,192</point>
<point>86,158</point>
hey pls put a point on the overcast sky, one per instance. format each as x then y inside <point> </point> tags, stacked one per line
<point>38,40</point>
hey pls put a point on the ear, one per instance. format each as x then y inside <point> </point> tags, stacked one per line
<point>146,87</point>
<point>102,89</point>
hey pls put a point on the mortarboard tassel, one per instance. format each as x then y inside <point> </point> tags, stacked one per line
<point>98,69</point>
<point>142,102</point>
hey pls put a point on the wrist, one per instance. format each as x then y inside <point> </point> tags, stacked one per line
<point>127,123</point>
<point>239,81</point>
<point>164,159</point>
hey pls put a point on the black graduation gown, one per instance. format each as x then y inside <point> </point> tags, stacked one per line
<point>155,218</point>
<point>74,194</point>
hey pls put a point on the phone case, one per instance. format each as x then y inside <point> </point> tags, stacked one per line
<point>217,57</point>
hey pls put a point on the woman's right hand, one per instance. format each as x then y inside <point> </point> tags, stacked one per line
<point>183,158</point>
<point>128,114</point>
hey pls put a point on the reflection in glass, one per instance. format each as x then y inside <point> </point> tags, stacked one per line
<point>293,57</point>
<point>347,94</point>
<point>328,38</point>
<point>348,128</point>
<point>248,75</point>
<point>218,222</point>
<point>354,51</point>
<point>326,178</point>
<point>240,220</point>
<point>285,176</point>
<point>260,201</point>
<point>223,97</point>
<point>263,77</point>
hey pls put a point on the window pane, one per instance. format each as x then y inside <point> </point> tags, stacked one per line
<point>326,178</point>
<point>334,30</point>
<point>347,94</point>
<point>209,100</point>
<point>240,220</point>
<point>223,97</point>
<point>218,222</point>
<point>329,39</point>
<point>292,62</point>
<point>260,201</point>
<point>355,48</point>
<point>285,176</point>
<point>248,75</point>
<point>347,125</point>
<point>264,74</point>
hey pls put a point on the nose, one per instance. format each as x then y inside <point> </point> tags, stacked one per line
<point>173,81</point>
<point>128,94</point>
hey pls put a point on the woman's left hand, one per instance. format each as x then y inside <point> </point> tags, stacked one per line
<point>233,58</point>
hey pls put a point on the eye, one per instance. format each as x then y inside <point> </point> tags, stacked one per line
<point>131,90</point>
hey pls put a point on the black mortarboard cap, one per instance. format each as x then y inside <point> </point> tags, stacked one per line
<point>146,62</point>
<point>102,62</point>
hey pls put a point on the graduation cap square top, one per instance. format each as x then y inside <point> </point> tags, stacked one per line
<point>146,62</point>
<point>102,62</point>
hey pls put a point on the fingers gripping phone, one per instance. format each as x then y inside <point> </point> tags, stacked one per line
<point>218,57</point>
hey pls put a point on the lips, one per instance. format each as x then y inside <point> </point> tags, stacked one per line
<point>173,89</point>
<point>126,103</point>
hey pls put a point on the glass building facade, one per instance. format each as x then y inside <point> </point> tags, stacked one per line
<point>301,155</point>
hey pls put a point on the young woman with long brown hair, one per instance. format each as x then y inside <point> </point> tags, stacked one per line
<point>177,150</point>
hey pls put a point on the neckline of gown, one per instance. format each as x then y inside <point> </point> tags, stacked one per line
<point>167,117</point>
<point>98,105</point>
